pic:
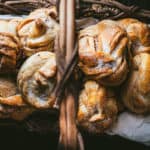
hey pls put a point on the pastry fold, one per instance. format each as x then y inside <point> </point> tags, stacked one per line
<point>97,107</point>
<point>12,104</point>
<point>103,50</point>
<point>38,31</point>
<point>138,33</point>
<point>136,90</point>
<point>37,78</point>
<point>9,46</point>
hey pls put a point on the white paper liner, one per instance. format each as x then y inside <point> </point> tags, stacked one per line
<point>8,17</point>
<point>132,127</point>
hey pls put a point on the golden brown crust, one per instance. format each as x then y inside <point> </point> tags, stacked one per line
<point>12,104</point>
<point>7,86</point>
<point>9,93</point>
<point>97,108</point>
<point>37,78</point>
<point>138,33</point>
<point>9,46</point>
<point>37,32</point>
<point>102,51</point>
<point>136,92</point>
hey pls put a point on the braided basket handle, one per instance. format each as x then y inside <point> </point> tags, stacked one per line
<point>70,138</point>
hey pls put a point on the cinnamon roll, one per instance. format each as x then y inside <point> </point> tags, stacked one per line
<point>9,46</point>
<point>37,78</point>
<point>103,50</point>
<point>37,32</point>
<point>97,107</point>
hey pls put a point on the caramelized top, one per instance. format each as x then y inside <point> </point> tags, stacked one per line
<point>103,49</point>
<point>138,33</point>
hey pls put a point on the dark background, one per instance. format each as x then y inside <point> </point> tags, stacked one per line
<point>10,138</point>
<point>141,3</point>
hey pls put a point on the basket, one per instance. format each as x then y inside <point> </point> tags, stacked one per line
<point>70,137</point>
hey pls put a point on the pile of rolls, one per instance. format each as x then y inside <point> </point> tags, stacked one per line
<point>113,55</point>
<point>114,58</point>
<point>26,87</point>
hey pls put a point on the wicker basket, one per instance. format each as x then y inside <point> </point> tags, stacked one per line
<point>70,137</point>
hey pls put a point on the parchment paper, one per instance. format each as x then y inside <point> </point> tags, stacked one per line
<point>8,17</point>
<point>132,127</point>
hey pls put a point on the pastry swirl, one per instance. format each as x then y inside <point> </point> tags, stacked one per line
<point>103,49</point>
<point>37,32</point>
<point>37,78</point>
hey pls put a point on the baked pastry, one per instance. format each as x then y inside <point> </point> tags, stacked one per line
<point>15,113</point>
<point>37,32</point>
<point>11,103</point>
<point>103,49</point>
<point>37,78</point>
<point>97,107</point>
<point>9,46</point>
<point>136,91</point>
<point>138,33</point>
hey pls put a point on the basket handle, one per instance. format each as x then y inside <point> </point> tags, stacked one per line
<point>70,138</point>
